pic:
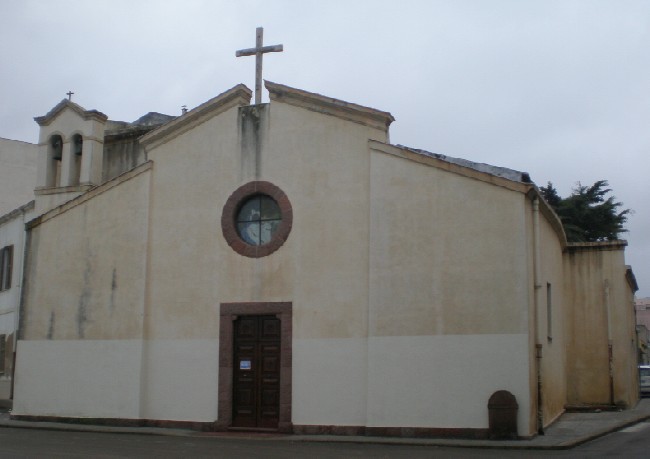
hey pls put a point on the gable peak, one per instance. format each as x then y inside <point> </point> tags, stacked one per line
<point>68,104</point>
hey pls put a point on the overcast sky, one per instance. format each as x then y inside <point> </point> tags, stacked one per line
<point>559,89</point>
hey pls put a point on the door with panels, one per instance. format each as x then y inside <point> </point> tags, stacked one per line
<point>256,371</point>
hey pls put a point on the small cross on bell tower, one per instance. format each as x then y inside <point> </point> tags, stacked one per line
<point>258,51</point>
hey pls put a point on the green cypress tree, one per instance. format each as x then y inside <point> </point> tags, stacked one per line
<point>588,215</point>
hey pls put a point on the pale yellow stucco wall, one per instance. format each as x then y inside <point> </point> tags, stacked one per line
<point>86,266</point>
<point>548,327</point>
<point>187,188</point>
<point>439,261</point>
<point>601,311</point>
<point>320,162</point>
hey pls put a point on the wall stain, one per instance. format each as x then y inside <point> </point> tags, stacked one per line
<point>252,121</point>
<point>84,300</point>
<point>50,327</point>
<point>113,289</point>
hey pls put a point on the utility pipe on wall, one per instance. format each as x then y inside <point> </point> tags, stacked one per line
<point>610,349</point>
<point>17,309</point>
<point>537,292</point>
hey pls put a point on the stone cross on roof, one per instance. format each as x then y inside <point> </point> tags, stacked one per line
<point>69,94</point>
<point>258,51</point>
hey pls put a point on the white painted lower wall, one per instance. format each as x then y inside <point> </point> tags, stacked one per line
<point>442,381</point>
<point>445,381</point>
<point>329,381</point>
<point>180,381</point>
<point>81,378</point>
<point>132,379</point>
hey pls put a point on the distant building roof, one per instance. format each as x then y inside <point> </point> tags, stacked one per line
<point>503,172</point>
<point>140,126</point>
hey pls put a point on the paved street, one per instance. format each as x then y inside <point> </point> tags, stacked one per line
<point>600,434</point>
<point>632,442</point>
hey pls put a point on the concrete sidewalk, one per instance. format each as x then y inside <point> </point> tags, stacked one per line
<point>572,429</point>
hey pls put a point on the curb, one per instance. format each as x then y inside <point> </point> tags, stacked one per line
<point>434,442</point>
<point>54,426</point>
<point>601,433</point>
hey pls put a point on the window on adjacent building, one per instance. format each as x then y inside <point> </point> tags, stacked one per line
<point>549,312</point>
<point>3,339</point>
<point>6,265</point>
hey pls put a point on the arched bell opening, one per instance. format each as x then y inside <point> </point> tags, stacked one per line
<point>75,159</point>
<point>55,159</point>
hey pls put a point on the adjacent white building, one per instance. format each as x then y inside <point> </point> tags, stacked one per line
<point>17,174</point>
<point>17,182</point>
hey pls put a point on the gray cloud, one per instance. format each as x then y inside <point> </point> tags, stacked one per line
<point>555,88</point>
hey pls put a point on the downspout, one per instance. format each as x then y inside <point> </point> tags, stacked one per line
<point>610,348</point>
<point>25,240</point>
<point>537,292</point>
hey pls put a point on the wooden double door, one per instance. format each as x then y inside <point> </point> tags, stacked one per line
<point>256,372</point>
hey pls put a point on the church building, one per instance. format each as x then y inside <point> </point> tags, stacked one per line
<point>282,266</point>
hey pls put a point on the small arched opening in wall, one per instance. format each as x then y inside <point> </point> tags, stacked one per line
<point>54,160</point>
<point>257,219</point>
<point>75,158</point>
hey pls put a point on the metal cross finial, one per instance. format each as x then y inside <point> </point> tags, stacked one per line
<point>69,93</point>
<point>258,51</point>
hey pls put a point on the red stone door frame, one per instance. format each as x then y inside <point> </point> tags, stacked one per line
<point>229,312</point>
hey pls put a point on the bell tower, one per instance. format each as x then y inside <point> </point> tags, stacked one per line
<point>70,156</point>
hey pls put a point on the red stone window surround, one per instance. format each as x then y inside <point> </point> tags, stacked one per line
<point>229,217</point>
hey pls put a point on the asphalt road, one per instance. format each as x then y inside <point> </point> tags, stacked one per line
<point>633,442</point>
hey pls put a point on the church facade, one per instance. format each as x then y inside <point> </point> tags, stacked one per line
<point>283,266</point>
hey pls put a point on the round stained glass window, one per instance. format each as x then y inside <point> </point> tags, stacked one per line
<point>258,219</point>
